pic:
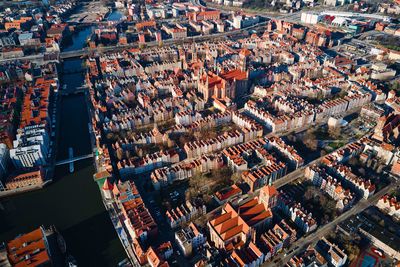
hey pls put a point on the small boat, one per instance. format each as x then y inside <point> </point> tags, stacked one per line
<point>64,87</point>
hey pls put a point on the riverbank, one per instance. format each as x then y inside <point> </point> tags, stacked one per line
<point>24,189</point>
<point>72,203</point>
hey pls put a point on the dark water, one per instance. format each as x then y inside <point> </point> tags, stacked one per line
<point>114,15</point>
<point>78,40</point>
<point>73,202</point>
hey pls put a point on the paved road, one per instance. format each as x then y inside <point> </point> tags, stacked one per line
<point>302,243</point>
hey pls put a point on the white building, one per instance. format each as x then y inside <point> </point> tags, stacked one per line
<point>310,17</point>
<point>242,21</point>
<point>331,252</point>
<point>189,239</point>
<point>30,147</point>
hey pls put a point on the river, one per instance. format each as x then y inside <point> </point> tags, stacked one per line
<point>72,202</point>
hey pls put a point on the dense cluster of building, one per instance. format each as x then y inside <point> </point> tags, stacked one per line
<point>36,248</point>
<point>28,126</point>
<point>162,111</point>
<point>153,23</point>
<point>34,30</point>
<point>171,114</point>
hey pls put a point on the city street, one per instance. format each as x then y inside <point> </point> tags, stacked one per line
<point>311,239</point>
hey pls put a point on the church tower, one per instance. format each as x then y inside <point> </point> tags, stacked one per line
<point>194,53</point>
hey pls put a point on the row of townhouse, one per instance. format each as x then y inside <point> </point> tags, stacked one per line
<point>306,89</point>
<point>163,66</point>
<point>303,219</point>
<point>234,155</point>
<point>390,205</point>
<point>128,123</point>
<point>342,155</point>
<point>341,105</point>
<point>271,170</point>
<point>189,238</point>
<point>377,94</point>
<point>117,101</point>
<point>282,123</point>
<point>132,119</point>
<point>152,137</point>
<point>291,155</point>
<point>249,255</point>
<point>163,176</point>
<point>306,115</point>
<point>265,175</point>
<point>329,185</point>
<point>310,69</point>
<point>324,253</point>
<point>198,148</point>
<point>185,213</point>
<point>245,122</point>
<point>279,237</point>
<point>211,121</point>
<point>300,89</point>
<point>149,162</point>
<point>375,148</point>
<point>362,186</point>
<point>139,226</point>
<point>187,117</point>
<point>290,104</point>
<point>135,216</point>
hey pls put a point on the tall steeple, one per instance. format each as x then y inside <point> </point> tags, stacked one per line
<point>194,53</point>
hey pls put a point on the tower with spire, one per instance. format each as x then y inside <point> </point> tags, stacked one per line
<point>107,188</point>
<point>194,53</point>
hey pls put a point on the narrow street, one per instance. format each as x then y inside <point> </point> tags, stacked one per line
<point>311,239</point>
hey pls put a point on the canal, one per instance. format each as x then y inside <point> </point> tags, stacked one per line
<point>72,202</point>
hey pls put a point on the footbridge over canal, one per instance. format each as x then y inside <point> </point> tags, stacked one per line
<point>72,159</point>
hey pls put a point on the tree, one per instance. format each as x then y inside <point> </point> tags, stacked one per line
<point>222,175</point>
<point>309,140</point>
<point>380,167</point>
<point>110,136</point>
<point>127,154</point>
<point>119,153</point>
<point>311,144</point>
<point>292,137</point>
<point>196,182</point>
<point>170,143</point>
<point>353,161</point>
<point>352,251</point>
<point>142,46</point>
<point>185,138</point>
<point>236,178</point>
<point>335,132</point>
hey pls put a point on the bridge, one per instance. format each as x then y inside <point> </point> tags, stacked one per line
<point>71,160</point>
<point>74,54</point>
<point>77,90</point>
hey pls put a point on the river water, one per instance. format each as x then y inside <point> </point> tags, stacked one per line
<point>72,202</point>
